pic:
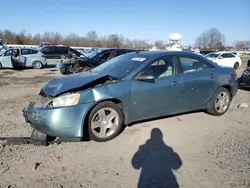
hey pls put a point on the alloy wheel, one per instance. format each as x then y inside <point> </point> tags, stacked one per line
<point>222,102</point>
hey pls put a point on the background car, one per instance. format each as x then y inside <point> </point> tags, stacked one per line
<point>42,44</point>
<point>225,59</point>
<point>91,60</point>
<point>54,53</point>
<point>244,80</point>
<point>129,88</point>
<point>27,58</point>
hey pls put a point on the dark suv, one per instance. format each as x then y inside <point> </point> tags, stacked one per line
<point>94,58</point>
<point>56,52</point>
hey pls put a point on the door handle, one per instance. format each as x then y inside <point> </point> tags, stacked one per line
<point>175,83</point>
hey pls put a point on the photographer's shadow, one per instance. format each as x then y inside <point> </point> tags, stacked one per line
<point>157,162</point>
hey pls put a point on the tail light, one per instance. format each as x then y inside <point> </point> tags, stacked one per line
<point>43,56</point>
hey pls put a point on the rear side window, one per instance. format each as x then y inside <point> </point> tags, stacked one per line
<point>193,64</point>
<point>34,51</point>
<point>25,51</point>
<point>227,55</point>
<point>46,50</point>
<point>230,55</point>
<point>60,50</point>
<point>28,51</point>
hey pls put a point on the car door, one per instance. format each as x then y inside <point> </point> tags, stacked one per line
<point>160,95</point>
<point>24,57</point>
<point>231,59</point>
<point>226,60</point>
<point>6,59</point>
<point>51,54</point>
<point>199,80</point>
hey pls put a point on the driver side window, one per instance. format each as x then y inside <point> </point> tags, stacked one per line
<point>160,68</point>
<point>8,53</point>
<point>105,56</point>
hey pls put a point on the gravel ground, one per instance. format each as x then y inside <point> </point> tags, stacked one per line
<point>191,150</point>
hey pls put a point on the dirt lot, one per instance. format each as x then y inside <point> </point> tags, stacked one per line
<point>197,150</point>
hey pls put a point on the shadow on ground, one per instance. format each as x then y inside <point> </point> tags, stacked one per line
<point>157,162</point>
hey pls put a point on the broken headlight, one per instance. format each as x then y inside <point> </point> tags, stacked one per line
<point>66,100</point>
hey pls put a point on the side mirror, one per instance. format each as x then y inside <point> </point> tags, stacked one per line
<point>220,57</point>
<point>145,77</point>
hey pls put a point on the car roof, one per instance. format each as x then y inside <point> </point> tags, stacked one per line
<point>23,49</point>
<point>155,54</point>
<point>108,49</point>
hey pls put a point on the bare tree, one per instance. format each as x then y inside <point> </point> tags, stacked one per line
<point>159,44</point>
<point>211,39</point>
<point>92,35</point>
<point>240,45</point>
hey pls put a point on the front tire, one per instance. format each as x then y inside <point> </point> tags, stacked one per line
<point>248,64</point>
<point>1,66</point>
<point>220,102</point>
<point>37,65</point>
<point>105,121</point>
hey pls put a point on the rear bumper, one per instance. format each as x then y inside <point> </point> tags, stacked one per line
<point>67,122</point>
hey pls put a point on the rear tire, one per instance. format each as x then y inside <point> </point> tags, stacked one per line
<point>236,66</point>
<point>248,64</point>
<point>220,102</point>
<point>37,65</point>
<point>100,122</point>
<point>1,66</point>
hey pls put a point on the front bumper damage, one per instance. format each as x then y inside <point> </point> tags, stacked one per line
<point>62,122</point>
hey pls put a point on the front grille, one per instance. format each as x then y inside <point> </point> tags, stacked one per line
<point>44,99</point>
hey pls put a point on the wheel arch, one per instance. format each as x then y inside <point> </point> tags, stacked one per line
<point>85,121</point>
<point>37,60</point>
<point>229,88</point>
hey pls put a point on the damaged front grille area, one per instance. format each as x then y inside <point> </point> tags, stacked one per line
<point>44,100</point>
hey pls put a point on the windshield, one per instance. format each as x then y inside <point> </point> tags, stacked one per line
<point>120,66</point>
<point>212,55</point>
<point>92,53</point>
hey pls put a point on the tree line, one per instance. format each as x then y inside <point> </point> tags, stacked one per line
<point>91,39</point>
<point>211,39</point>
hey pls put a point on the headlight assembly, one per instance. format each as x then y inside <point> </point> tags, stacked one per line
<point>66,100</point>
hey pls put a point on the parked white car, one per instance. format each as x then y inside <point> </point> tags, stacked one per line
<point>25,57</point>
<point>225,59</point>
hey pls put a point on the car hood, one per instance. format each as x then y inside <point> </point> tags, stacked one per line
<point>72,82</point>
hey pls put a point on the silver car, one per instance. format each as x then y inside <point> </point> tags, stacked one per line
<point>24,57</point>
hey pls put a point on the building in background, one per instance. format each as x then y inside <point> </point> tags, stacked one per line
<point>174,42</point>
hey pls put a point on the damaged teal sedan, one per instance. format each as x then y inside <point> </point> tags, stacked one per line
<point>130,88</point>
